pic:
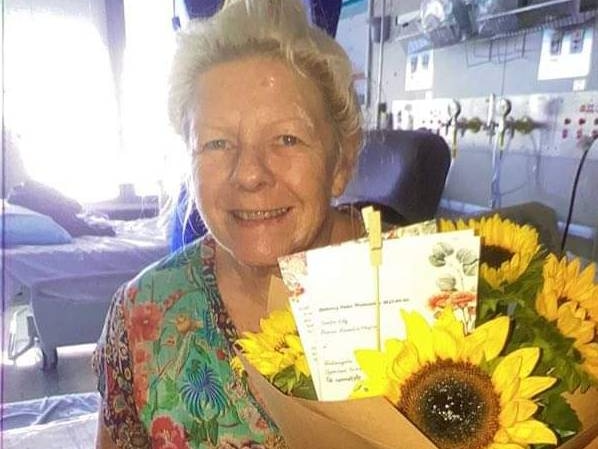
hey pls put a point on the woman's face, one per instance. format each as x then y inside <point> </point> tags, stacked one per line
<point>265,160</point>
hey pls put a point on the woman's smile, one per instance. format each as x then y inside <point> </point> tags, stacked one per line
<point>259,216</point>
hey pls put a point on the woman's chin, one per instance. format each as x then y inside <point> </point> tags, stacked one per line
<point>258,261</point>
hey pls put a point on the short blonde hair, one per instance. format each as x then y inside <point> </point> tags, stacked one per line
<point>273,28</point>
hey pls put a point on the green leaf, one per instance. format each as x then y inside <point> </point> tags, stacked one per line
<point>285,379</point>
<point>559,416</point>
<point>560,358</point>
<point>305,388</point>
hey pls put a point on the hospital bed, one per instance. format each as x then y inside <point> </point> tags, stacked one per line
<point>69,286</point>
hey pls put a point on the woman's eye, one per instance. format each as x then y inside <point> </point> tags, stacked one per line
<point>288,140</point>
<point>216,144</point>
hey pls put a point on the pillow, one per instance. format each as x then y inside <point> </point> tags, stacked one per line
<point>21,226</point>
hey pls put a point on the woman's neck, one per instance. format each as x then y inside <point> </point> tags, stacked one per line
<point>252,281</point>
<point>245,289</point>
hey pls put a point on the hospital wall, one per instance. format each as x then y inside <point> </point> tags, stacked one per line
<point>469,72</point>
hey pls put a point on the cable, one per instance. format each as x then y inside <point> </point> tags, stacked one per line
<point>586,149</point>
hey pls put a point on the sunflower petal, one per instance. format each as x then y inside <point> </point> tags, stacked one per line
<point>506,371</point>
<point>371,362</point>
<point>531,432</point>
<point>405,364</point>
<point>418,332</point>
<point>445,345</point>
<point>531,386</point>
<point>518,363</point>
<point>509,391</point>
<point>516,411</point>
<point>494,335</point>
<point>302,366</point>
<point>450,324</point>
<point>393,347</point>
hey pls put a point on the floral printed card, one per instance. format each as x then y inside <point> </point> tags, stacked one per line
<point>294,273</point>
<point>333,297</point>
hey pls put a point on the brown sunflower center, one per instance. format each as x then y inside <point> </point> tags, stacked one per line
<point>453,403</point>
<point>495,255</point>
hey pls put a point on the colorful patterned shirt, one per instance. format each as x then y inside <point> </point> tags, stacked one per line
<point>163,363</point>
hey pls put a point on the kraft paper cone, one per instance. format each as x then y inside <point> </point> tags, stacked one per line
<point>586,407</point>
<point>278,295</point>
<point>373,423</point>
<point>355,424</point>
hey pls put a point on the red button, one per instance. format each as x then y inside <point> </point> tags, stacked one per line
<point>568,120</point>
<point>565,133</point>
<point>581,121</point>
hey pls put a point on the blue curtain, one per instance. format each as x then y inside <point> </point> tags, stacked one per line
<point>325,14</point>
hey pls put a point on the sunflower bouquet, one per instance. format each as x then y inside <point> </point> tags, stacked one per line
<point>524,376</point>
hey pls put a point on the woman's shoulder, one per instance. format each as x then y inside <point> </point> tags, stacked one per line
<point>190,268</point>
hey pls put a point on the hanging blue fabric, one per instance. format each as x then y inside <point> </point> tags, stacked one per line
<point>182,229</point>
<point>325,14</point>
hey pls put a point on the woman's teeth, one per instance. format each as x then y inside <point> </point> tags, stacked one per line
<point>260,214</point>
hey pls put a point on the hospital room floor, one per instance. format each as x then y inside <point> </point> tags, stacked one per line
<point>26,380</point>
<point>23,379</point>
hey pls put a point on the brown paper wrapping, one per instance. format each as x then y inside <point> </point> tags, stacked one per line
<point>356,424</point>
<point>586,407</point>
<point>374,423</point>
<point>371,423</point>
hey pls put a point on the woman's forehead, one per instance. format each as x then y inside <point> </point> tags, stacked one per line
<point>257,84</point>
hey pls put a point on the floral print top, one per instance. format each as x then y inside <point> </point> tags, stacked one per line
<point>163,363</point>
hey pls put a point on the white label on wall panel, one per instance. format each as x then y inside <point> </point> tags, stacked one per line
<point>565,54</point>
<point>579,84</point>
<point>419,72</point>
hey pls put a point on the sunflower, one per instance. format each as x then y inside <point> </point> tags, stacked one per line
<point>568,300</point>
<point>454,387</point>
<point>507,248</point>
<point>276,348</point>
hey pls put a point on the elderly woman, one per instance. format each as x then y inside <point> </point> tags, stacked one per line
<point>266,106</point>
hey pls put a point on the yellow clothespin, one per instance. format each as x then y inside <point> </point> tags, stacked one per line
<point>373,226</point>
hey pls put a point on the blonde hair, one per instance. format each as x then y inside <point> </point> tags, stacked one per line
<point>273,28</point>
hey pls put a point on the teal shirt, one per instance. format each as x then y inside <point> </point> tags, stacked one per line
<point>163,362</point>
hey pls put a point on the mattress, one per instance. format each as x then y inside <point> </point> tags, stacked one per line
<point>136,244</point>
<point>69,286</point>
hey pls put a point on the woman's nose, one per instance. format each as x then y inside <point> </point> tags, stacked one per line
<point>252,170</point>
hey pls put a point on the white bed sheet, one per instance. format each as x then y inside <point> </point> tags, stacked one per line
<point>136,244</point>
<point>69,286</point>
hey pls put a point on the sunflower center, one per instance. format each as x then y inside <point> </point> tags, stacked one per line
<point>494,256</point>
<point>453,403</point>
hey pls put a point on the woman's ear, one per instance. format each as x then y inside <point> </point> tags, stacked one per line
<point>345,165</point>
